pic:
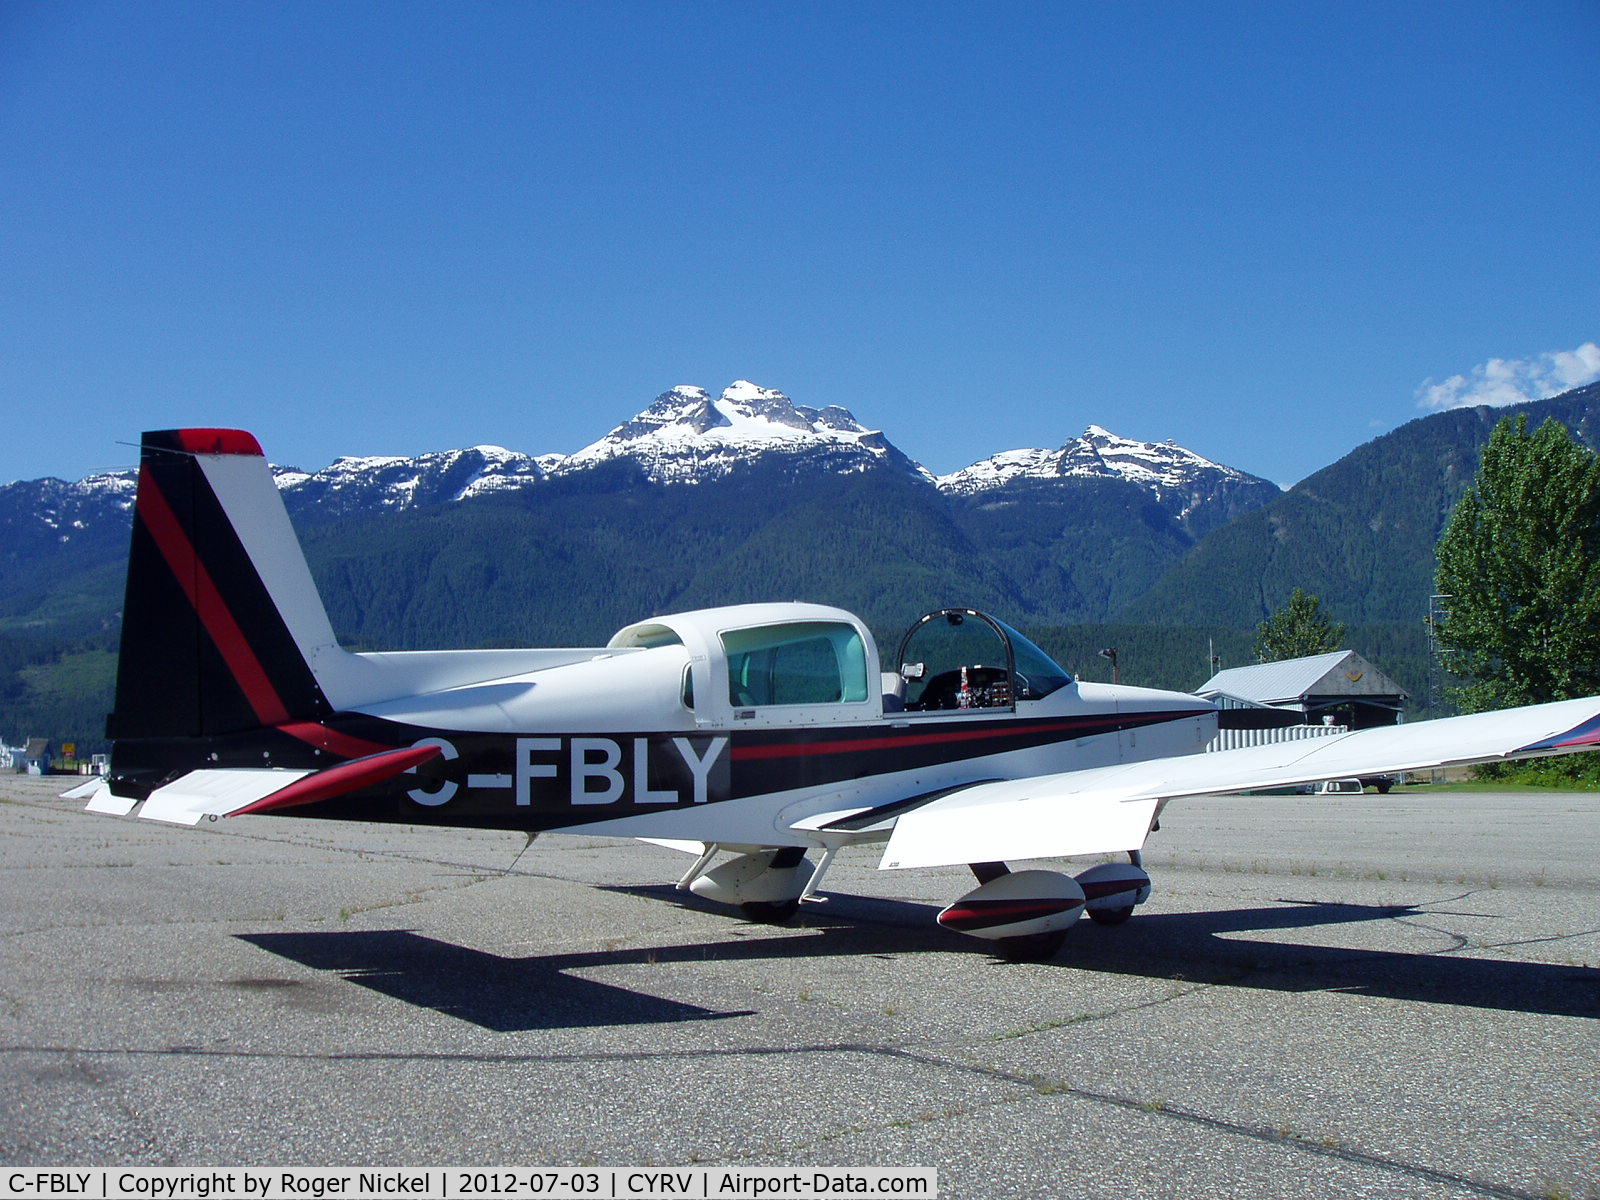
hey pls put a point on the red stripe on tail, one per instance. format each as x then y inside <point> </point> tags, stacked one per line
<point>219,441</point>
<point>198,585</point>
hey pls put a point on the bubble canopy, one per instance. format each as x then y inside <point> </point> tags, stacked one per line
<point>961,658</point>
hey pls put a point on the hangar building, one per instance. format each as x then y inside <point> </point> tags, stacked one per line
<point>1340,688</point>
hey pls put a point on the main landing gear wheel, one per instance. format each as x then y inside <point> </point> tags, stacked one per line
<point>1110,916</point>
<point>1032,947</point>
<point>769,912</point>
<point>764,884</point>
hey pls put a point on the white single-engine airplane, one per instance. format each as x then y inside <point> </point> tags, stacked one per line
<point>762,730</point>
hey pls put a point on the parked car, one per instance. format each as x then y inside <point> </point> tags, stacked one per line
<point>1340,787</point>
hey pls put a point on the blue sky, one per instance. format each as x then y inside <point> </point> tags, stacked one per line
<point>1265,231</point>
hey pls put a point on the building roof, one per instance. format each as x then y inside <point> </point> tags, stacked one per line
<point>1341,673</point>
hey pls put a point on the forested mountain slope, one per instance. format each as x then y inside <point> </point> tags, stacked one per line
<point>1360,533</point>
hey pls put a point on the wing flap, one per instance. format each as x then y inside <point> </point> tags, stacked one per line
<point>1017,820</point>
<point>1100,810</point>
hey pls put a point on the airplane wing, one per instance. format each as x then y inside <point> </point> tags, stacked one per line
<point>1109,809</point>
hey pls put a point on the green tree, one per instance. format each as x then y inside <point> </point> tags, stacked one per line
<point>1297,629</point>
<point>1520,564</point>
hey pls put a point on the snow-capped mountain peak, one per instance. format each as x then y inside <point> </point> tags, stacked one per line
<point>752,402</point>
<point>1098,453</point>
<point>392,482</point>
<point>1199,493</point>
<point>685,436</point>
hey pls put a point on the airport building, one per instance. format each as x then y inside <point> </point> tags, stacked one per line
<point>1340,689</point>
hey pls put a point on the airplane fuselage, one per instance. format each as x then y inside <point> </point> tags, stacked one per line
<point>745,782</point>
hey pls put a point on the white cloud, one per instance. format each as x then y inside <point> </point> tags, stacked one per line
<point>1513,380</point>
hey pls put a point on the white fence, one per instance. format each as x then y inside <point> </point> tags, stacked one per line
<point>1237,739</point>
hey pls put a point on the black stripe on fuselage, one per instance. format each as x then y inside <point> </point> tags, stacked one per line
<point>781,760</point>
<point>548,781</point>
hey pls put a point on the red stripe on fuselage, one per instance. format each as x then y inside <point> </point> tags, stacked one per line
<point>1011,728</point>
<point>346,777</point>
<point>198,585</point>
<point>320,736</point>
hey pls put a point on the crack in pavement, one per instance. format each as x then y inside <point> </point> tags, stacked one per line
<point>1120,1011</point>
<point>1465,943</point>
<point>1036,1085</point>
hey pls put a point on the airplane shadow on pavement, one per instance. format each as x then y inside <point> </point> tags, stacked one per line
<point>507,995</point>
<point>1215,947</point>
<point>542,992</point>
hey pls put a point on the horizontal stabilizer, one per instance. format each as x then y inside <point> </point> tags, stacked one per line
<point>231,792</point>
<point>1109,809</point>
<point>103,800</point>
<point>214,793</point>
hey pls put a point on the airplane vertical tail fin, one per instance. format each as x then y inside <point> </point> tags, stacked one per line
<point>221,622</point>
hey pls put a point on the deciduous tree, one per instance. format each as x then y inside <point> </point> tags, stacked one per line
<point>1519,563</point>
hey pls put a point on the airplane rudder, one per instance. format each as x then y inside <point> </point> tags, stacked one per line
<point>205,649</point>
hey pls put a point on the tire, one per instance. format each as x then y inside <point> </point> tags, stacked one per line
<point>1032,947</point>
<point>769,912</point>
<point>1110,916</point>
